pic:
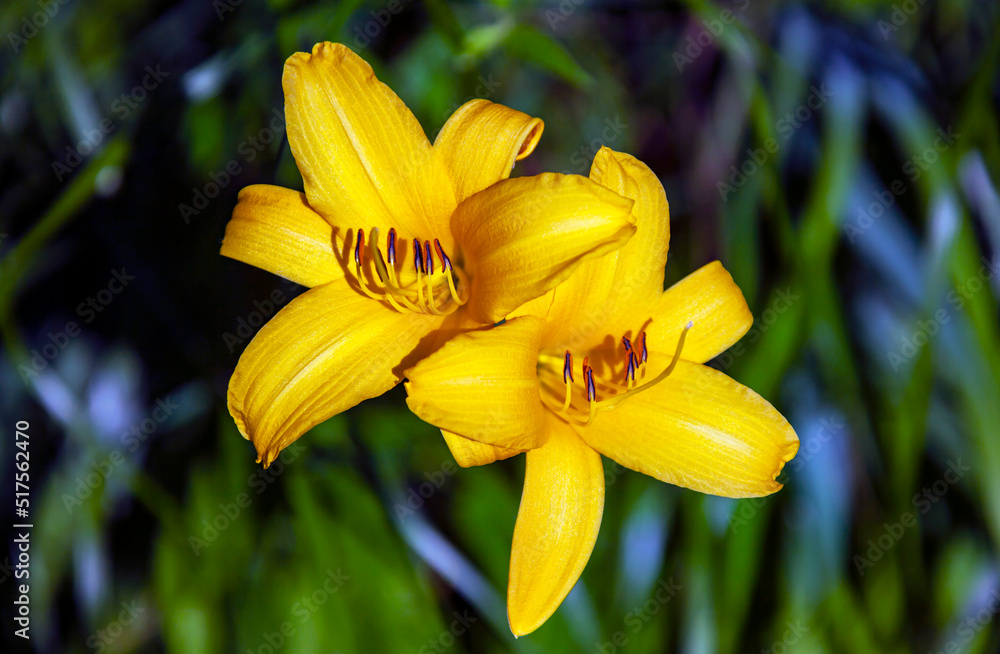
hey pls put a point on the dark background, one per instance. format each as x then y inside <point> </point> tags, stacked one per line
<point>839,158</point>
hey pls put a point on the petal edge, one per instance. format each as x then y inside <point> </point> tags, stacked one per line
<point>324,352</point>
<point>275,229</point>
<point>557,525</point>
<point>523,236</point>
<point>699,429</point>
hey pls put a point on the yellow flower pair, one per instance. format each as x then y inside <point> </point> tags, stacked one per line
<point>414,252</point>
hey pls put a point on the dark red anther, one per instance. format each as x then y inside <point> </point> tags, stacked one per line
<point>591,390</point>
<point>445,261</point>
<point>418,259</point>
<point>645,354</point>
<point>626,343</point>
<point>568,368</point>
<point>392,246</point>
<point>429,258</point>
<point>359,247</point>
<point>630,368</point>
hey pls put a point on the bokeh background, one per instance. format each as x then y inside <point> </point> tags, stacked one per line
<point>840,158</point>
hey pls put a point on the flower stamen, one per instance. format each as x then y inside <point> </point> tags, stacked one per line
<point>380,280</point>
<point>617,400</point>
<point>637,356</point>
<point>450,272</point>
<point>429,267</point>
<point>418,260</point>
<point>445,261</point>
<point>359,255</point>
<point>630,370</point>
<point>430,297</point>
<point>568,380</point>
<point>387,276</point>
<point>394,294</point>
<point>392,257</point>
<point>418,265</point>
<point>588,372</point>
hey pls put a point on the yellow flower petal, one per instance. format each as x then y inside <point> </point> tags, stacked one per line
<point>328,350</point>
<point>483,385</point>
<point>523,236</point>
<point>470,453</point>
<point>482,140</point>
<point>539,307</point>
<point>557,524</point>
<point>275,229</point>
<point>364,158</point>
<point>607,295</point>
<point>701,430</point>
<point>711,300</point>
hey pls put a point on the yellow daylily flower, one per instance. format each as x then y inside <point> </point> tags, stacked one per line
<point>641,397</point>
<point>400,242</point>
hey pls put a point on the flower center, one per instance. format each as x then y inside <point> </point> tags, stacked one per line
<point>616,385</point>
<point>423,290</point>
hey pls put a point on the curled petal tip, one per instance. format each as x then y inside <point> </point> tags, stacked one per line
<point>536,126</point>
